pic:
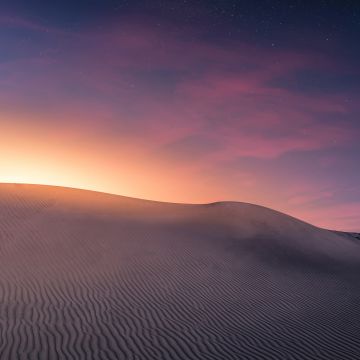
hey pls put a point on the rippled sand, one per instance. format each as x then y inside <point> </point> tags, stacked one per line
<point>86,275</point>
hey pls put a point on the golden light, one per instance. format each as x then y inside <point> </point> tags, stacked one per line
<point>68,157</point>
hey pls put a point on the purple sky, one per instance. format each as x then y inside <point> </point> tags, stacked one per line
<point>200,107</point>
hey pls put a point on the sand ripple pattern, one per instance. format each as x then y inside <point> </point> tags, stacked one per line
<point>86,276</point>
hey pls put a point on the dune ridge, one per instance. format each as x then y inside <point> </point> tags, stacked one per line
<point>87,275</point>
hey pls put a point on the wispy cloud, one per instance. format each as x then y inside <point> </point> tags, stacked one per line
<point>195,103</point>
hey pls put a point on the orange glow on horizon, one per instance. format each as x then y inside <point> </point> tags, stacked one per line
<point>71,158</point>
<point>132,108</point>
<point>66,157</point>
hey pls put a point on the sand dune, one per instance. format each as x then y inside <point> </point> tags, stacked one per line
<point>86,275</point>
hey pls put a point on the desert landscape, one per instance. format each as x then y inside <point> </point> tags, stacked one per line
<point>179,180</point>
<point>87,275</point>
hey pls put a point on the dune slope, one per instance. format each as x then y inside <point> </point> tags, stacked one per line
<point>86,275</point>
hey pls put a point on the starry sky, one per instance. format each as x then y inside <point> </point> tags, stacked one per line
<point>186,101</point>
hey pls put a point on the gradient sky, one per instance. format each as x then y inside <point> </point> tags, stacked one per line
<point>186,101</point>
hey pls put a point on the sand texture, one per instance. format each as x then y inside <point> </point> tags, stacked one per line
<point>86,275</point>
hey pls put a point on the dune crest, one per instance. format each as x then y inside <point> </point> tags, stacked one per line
<point>87,275</point>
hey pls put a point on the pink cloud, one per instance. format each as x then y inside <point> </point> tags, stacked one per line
<point>236,107</point>
<point>109,82</point>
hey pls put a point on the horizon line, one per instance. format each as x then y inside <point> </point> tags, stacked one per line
<point>168,202</point>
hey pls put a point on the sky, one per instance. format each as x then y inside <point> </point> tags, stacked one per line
<point>186,101</point>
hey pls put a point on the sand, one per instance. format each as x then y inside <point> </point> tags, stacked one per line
<point>86,275</point>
